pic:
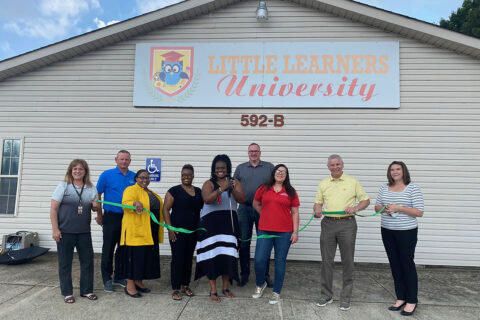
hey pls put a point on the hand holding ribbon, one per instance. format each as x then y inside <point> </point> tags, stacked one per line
<point>338,213</point>
<point>152,216</point>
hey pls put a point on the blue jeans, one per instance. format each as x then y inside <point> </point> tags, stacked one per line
<point>247,216</point>
<point>262,254</point>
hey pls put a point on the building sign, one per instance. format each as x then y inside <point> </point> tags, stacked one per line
<point>268,75</point>
<point>154,168</point>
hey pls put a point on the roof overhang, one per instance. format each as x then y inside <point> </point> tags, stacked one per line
<point>189,9</point>
<point>398,24</point>
<point>109,35</point>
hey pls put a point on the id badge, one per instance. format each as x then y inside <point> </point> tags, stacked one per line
<point>80,210</point>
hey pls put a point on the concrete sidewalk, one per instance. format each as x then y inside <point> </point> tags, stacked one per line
<point>31,291</point>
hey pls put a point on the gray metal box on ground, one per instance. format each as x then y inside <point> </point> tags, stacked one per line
<point>19,240</point>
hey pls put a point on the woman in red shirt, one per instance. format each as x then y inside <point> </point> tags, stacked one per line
<point>277,201</point>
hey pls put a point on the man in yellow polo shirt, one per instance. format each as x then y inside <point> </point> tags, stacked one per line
<point>339,193</point>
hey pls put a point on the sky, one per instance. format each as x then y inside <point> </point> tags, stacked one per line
<point>27,25</point>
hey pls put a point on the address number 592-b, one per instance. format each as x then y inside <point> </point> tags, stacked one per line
<point>262,120</point>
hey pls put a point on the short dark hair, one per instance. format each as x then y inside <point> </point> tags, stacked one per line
<point>139,172</point>
<point>254,144</point>
<point>221,158</point>
<point>188,167</point>
<point>406,174</point>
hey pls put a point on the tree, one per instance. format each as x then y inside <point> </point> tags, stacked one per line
<point>466,20</point>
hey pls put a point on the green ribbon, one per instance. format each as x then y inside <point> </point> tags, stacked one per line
<point>311,218</point>
<point>325,213</point>
<point>264,236</point>
<point>329,213</point>
<point>152,216</point>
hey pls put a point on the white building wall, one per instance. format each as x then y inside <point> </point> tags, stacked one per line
<point>82,107</point>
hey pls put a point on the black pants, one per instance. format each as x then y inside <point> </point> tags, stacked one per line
<point>65,247</point>
<point>112,228</point>
<point>400,247</point>
<point>182,255</point>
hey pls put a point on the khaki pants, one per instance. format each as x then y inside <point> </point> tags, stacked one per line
<point>342,232</point>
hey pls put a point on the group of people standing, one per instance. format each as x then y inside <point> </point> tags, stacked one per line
<point>264,197</point>
<point>400,201</point>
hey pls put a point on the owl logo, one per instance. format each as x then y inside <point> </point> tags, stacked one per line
<point>172,70</point>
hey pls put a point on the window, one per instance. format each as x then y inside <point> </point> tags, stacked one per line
<point>9,175</point>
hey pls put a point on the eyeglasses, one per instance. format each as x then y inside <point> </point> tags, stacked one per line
<point>187,175</point>
<point>143,178</point>
<point>280,172</point>
<point>253,151</point>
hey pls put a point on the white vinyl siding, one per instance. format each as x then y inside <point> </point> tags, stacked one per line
<point>82,108</point>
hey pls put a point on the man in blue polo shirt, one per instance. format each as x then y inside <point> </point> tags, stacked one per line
<point>112,183</point>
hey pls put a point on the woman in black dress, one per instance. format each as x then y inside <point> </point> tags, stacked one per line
<point>185,202</point>
<point>139,250</point>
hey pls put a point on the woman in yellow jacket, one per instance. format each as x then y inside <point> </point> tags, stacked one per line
<point>139,250</point>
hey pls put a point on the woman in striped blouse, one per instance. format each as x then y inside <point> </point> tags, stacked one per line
<point>404,201</point>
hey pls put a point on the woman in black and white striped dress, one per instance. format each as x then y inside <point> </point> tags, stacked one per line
<point>217,248</point>
<point>404,201</point>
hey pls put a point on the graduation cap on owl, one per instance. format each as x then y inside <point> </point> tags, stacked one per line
<point>172,68</point>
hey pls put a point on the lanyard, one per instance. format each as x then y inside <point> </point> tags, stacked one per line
<point>79,194</point>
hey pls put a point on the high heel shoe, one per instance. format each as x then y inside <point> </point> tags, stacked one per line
<point>393,308</point>
<point>143,290</point>
<point>136,295</point>
<point>408,313</point>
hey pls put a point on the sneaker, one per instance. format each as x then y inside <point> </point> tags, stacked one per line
<point>259,291</point>
<point>269,282</point>
<point>275,298</point>
<point>108,286</point>
<point>323,302</point>
<point>344,306</point>
<point>121,283</point>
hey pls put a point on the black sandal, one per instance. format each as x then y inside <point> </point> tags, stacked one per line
<point>214,297</point>
<point>188,292</point>
<point>176,295</point>
<point>69,299</point>
<point>227,293</point>
<point>89,296</point>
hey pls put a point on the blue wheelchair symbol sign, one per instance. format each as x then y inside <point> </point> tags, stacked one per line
<point>154,168</point>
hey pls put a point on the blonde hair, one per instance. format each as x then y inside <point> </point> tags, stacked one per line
<point>86,178</point>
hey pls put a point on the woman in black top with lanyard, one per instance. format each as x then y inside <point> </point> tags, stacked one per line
<point>70,214</point>
<point>185,201</point>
